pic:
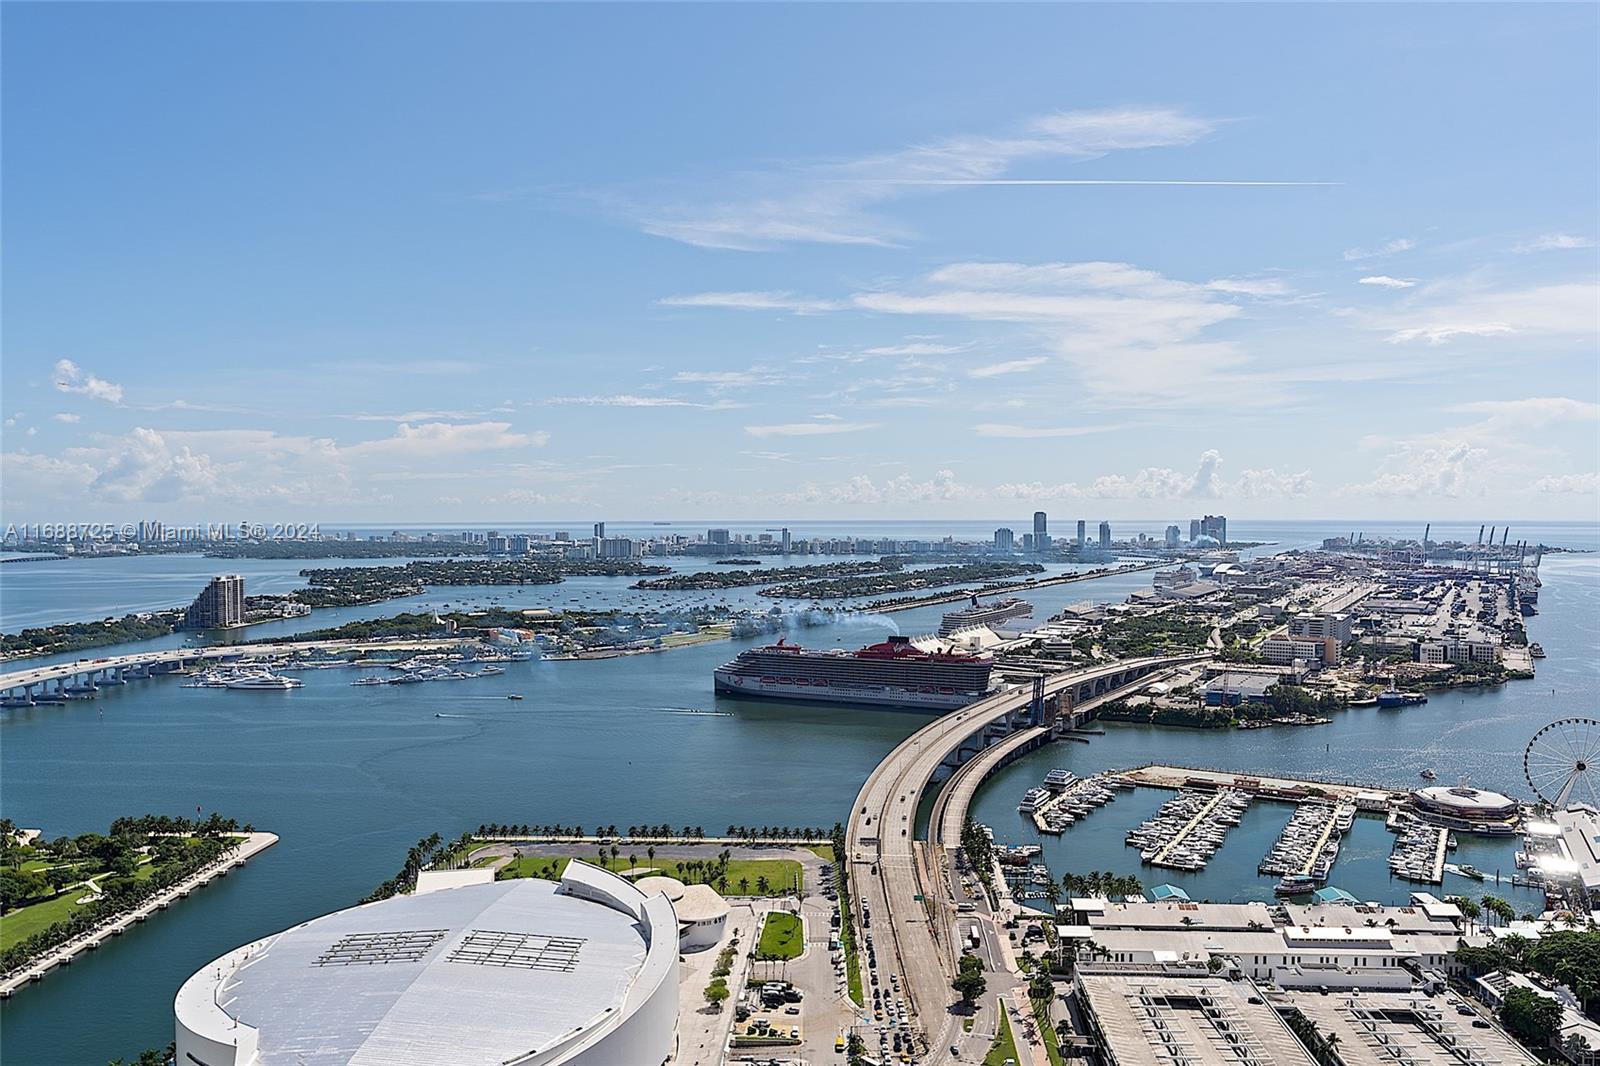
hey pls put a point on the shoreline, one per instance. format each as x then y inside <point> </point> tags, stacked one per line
<point>36,969</point>
<point>893,607</point>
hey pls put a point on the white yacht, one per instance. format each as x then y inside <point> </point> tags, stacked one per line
<point>264,681</point>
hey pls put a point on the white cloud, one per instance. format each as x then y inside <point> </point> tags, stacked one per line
<point>1448,469</point>
<point>943,487</point>
<point>1270,484</point>
<point>1013,366</point>
<point>1565,308</point>
<point>918,348</point>
<point>1386,281</point>
<point>1555,242</point>
<point>835,202</point>
<point>1131,333</point>
<point>418,416</point>
<point>621,400</point>
<point>808,429</point>
<point>719,380</point>
<point>1164,483</point>
<point>1534,411</point>
<point>1387,248</point>
<point>997,429</point>
<point>1250,286</point>
<point>752,301</point>
<point>1576,484</point>
<point>70,377</point>
<point>444,438</point>
<point>65,417</point>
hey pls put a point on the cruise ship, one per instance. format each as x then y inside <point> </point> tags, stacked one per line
<point>984,614</point>
<point>892,673</point>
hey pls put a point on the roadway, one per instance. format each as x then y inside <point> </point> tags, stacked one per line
<point>906,888</point>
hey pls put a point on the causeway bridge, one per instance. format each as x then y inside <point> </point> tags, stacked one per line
<point>906,886</point>
<point>82,678</point>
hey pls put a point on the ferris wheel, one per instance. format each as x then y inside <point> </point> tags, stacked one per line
<point>1562,762</point>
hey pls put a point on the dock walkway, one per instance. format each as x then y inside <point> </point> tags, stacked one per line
<point>1183,834</point>
<point>63,954</point>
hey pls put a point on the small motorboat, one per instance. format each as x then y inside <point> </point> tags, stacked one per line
<point>1428,775</point>
<point>514,696</point>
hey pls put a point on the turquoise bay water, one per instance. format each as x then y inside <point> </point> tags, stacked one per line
<point>350,777</point>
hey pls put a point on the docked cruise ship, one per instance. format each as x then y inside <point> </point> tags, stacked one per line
<point>990,614</point>
<point>893,673</point>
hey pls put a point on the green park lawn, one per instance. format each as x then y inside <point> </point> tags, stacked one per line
<point>780,874</point>
<point>782,937</point>
<point>22,923</point>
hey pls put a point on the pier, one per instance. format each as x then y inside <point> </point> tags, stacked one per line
<point>1200,816</point>
<point>1316,851</point>
<point>1365,797</point>
<point>116,925</point>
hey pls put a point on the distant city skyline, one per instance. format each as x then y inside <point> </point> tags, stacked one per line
<point>520,263</point>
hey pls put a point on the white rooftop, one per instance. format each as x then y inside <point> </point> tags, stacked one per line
<point>476,974</point>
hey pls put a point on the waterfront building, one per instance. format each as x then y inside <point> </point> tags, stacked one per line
<point>599,530</point>
<point>1194,530</point>
<point>1461,806</point>
<point>1215,526</point>
<point>1027,542</point>
<point>1004,540</point>
<point>786,543</point>
<point>219,605</point>
<point>1231,690</point>
<point>1082,533</point>
<point>1105,536</point>
<point>1457,650</point>
<point>1284,651</point>
<point>717,536</point>
<point>464,970</point>
<point>1320,626</point>
<point>495,543</point>
<point>1171,540</point>
<point>1041,532</point>
<point>620,548</point>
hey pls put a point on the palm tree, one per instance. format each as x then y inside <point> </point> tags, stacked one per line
<point>762,885</point>
<point>651,851</point>
<point>744,886</point>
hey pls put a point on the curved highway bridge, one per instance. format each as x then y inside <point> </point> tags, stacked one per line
<point>906,887</point>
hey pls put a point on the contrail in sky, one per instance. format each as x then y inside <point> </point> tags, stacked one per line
<point>1079,181</point>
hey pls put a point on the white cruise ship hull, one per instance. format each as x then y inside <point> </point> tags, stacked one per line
<point>819,690</point>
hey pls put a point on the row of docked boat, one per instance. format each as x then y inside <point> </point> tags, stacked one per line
<point>416,675</point>
<point>1418,852</point>
<point>242,678</point>
<point>1081,799</point>
<point>1189,828</point>
<point>1308,846</point>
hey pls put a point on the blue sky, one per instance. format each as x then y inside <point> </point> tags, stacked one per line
<point>523,262</point>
